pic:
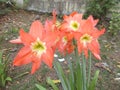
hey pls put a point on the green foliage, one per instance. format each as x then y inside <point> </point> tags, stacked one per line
<point>50,82</point>
<point>3,0</point>
<point>40,87</point>
<point>114,24</point>
<point>3,70</point>
<point>74,80</point>
<point>98,8</point>
<point>113,28</point>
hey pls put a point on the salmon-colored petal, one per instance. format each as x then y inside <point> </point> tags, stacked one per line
<point>80,47</point>
<point>26,38</point>
<point>47,57</point>
<point>97,56</point>
<point>73,13</point>
<point>78,17</point>
<point>18,41</point>
<point>36,29</point>
<point>35,66</point>
<point>77,35</point>
<point>98,33</point>
<point>93,21</point>
<point>87,27</point>
<point>69,47</point>
<point>23,57</point>
<point>65,17</point>
<point>94,47</point>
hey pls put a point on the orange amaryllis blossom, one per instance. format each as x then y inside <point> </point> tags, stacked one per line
<point>36,48</point>
<point>72,22</point>
<point>65,44</point>
<point>87,38</point>
<point>52,30</point>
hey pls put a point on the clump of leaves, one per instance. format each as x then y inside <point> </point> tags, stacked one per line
<point>114,23</point>
<point>3,70</point>
<point>99,8</point>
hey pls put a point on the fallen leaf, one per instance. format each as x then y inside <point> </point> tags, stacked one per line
<point>118,66</point>
<point>56,81</point>
<point>104,66</point>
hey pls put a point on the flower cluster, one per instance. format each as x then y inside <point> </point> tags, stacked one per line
<point>41,42</point>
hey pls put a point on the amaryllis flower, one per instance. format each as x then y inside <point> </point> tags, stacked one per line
<point>87,38</point>
<point>72,22</point>
<point>36,48</point>
<point>65,44</point>
<point>52,30</point>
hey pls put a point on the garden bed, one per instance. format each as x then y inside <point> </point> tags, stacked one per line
<point>10,24</point>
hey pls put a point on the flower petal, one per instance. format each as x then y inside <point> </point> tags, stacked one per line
<point>47,57</point>
<point>18,41</point>
<point>35,66</point>
<point>26,38</point>
<point>23,57</point>
<point>87,27</point>
<point>94,47</point>
<point>98,33</point>
<point>93,21</point>
<point>36,29</point>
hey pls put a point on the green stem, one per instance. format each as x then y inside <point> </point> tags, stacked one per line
<point>76,51</point>
<point>84,71</point>
<point>89,69</point>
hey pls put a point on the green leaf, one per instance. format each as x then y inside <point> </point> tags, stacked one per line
<point>61,75</point>
<point>71,75</point>
<point>1,57</point>
<point>8,79</point>
<point>40,87</point>
<point>94,81</point>
<point>78,78</point>
<point>50,82</point>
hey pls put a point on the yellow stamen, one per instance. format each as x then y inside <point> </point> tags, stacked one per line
<point>86,39</point>
<point>38,47</point>
<point>74,25</point>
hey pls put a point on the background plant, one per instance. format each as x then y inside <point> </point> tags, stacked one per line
<point>98,8</point>
<point>113,28</point>
<point>3,70</point>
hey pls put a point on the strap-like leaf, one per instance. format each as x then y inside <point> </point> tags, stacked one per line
<point>40,87</point>
<point>94,81</point>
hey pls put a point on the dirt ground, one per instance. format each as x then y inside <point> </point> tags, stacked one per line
<point>10,24</point>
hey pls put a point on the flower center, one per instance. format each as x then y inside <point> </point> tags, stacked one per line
<point>86,39</point>
<point>74,25</point>
<point>38,47</point>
